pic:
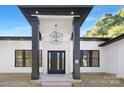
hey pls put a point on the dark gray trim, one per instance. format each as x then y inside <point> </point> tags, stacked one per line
<point>90,57</point>
<point>35,48</point>
<point>93,39</point>
<point>16,38</point>
<point>48,61</point>
<point>53,6</point>
<point>81,10</point>
<point>112,40</point>
<point>84,15</point>
<point>55,9</point>
<point>76,48</point>
<point>17,58</point>
<point>24,57</point>
<point>30,38</point>
<point>90,60</point>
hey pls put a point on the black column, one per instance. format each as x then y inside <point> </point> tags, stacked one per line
<point>35,48</point>
<point>76,48</point>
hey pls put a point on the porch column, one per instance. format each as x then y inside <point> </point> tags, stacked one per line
<point>76,48</point>
<point>35,48</point>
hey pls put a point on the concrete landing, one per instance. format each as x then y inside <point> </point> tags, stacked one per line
<point>56,84</point>
<point>56,77</point>
<point>56,80</point>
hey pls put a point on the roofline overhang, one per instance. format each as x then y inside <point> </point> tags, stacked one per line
<point>25,38</point>
<point>112,40</point>
<point>79,10</point>
<point>93,39</point>
<point>53,6</point>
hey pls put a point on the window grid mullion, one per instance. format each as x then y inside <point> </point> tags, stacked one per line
<point>24,58</point>
<point>89,57</point>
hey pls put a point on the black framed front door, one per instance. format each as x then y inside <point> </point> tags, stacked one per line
<point>56,62</point>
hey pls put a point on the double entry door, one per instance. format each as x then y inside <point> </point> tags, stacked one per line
<point>56,62</point>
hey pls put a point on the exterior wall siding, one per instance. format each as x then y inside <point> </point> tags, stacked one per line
<point>111,56</point>
<point>93,45</point>
<point>7,56</point>
<point>114,58</point>
<point>7,48</point>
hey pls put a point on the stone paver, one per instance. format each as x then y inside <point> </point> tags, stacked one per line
<point>88,80</point>
<point>99,80</point>
<point>16,80</point>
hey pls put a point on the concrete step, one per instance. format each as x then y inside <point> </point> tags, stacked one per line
<point>56,76</point>
<point>56,84</point>
<point>56,80</point>
<point>40,81</point>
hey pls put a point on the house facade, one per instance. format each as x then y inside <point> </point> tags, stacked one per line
<point>56,47</point>
<point>16,56</point>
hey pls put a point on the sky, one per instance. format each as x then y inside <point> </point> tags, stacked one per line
<point>13,23</point>
<point>96,13</point>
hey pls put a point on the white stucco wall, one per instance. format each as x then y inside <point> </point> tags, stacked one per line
<point>92,45</point>
<point>65,27</point>
<point>114,58</point>
<point>111,56</point>
<point>7,53</point>
<point>7,56</point>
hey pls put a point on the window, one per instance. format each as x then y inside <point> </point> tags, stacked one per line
<point>19,58</point>
<point>23,58</point>
<point>28,58</point>
<point>89,58</point>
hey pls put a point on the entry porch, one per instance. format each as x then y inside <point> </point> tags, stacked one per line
<point>78,13</point>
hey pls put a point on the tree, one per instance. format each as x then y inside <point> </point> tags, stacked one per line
<point>121,12</point>
<point>116,30</point>
<point>108,25</point>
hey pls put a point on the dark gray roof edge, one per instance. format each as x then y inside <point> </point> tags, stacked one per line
<point>15,38</point>
<point>30,38</point>
<point>53,6</point>
<point>112,40</point>
<point>94,39</point>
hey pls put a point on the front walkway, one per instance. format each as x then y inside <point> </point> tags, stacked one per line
<point>99,80</point>
<point>88,80</point>
<point>16,80</point>
<point>56,80</point>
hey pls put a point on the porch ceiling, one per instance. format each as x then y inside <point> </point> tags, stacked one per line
<point>56,10</point>
<point>81,10</point>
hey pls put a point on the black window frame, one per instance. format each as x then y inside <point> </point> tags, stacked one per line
<point>24,58</point>
<point>90,58</point>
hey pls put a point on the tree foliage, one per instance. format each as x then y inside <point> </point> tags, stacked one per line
<point>116,30</point>
<point>108,26</point>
